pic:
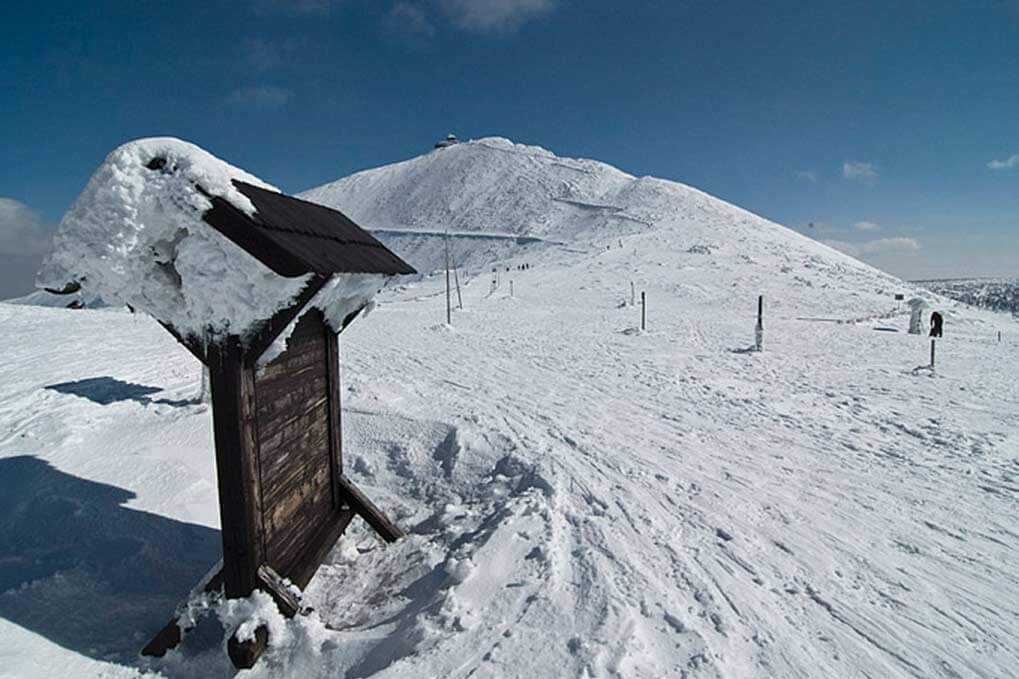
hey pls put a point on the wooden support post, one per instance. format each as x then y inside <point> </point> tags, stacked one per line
<point>244,654</point>
<point>643,310</point>
<point>456,279</point>
<point>367,510</point>
<point>932,352</point>
<point>240,501</point>
<point>759,328</point>
<point>449,308</point>
<point>271,582</point>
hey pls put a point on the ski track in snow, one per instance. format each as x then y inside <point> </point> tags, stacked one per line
<point>581,501</point>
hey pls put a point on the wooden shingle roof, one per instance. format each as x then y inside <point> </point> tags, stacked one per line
<point>294,237</point>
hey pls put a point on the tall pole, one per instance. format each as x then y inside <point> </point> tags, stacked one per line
<point>449,310</point>
<point>759,330</point>
<point>456,278</point>
<point>643,310</point>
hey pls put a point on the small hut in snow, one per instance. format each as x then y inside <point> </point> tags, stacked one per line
<point>450,140</point>
<point>257,285</point>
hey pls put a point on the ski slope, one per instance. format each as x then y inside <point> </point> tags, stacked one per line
<point>583,499</point>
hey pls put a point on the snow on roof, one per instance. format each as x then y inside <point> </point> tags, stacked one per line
<point>137,236</point>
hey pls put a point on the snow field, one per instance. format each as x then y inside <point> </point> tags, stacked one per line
<point>583,499</point>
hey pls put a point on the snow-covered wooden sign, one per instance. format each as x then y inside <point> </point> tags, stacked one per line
<point>257,285</point>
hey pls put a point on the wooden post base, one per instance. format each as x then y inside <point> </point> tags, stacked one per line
<point>244,654</point>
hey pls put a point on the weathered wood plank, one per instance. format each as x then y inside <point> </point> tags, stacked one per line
<point>288,602</point>
<point>275,412</point>
<point>291,361</point>
<point>303,469</point>
<point>367,510</point>
<point>289,429</point>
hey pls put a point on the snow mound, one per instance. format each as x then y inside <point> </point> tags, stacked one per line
<point>135,236</point>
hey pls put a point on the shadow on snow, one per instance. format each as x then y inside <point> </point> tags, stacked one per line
<point>107,390</point>
<point>84,571</point>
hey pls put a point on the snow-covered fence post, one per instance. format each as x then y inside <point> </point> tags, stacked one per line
<point>633,295</point>
<point>643,310</point>
<point>511,287</point>
<point>759,327</point>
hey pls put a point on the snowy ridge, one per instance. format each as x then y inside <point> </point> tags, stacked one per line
<point>492,185</point>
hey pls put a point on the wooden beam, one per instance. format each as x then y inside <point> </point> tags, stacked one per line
<point>281,319</point>
<point>367,510</point>
<point>271,582</point>
<point>240,493</point>
<point>170,636</point>
<point>335,436</point>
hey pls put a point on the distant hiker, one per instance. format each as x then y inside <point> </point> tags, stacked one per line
<point>936,322</point>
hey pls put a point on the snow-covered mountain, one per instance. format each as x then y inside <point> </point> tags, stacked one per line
<point>583,499</point>
<point>493,187</point>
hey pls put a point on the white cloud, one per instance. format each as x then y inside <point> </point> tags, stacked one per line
<point>494,16</point>
<point>854,170</point>
<point>268,96</point>
<point>22,230</point>
<point>806,176</point>
<point>1007,164</point>
<point>409,20</point>
<point>874,247</point>
<point>867,226</point>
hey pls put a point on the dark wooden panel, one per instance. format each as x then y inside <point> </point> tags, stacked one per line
<point>295,440</point>
<point>289,427</point>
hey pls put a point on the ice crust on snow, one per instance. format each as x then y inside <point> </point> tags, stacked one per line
<point>135,236</point>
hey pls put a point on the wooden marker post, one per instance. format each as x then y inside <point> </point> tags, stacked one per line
<point>759,328</point>
<point>456,279</point>
<point>932,352</point>
<point>643,310</point>
<point>511,287</point>
<point>633,296</point>
<point>449,310</point>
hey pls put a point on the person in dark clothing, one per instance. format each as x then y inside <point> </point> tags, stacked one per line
<point>936,322</point>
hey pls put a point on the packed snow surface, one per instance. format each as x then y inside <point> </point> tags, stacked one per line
<point>583,498</point>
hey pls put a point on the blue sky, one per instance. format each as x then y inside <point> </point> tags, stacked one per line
<point>893,127</point>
